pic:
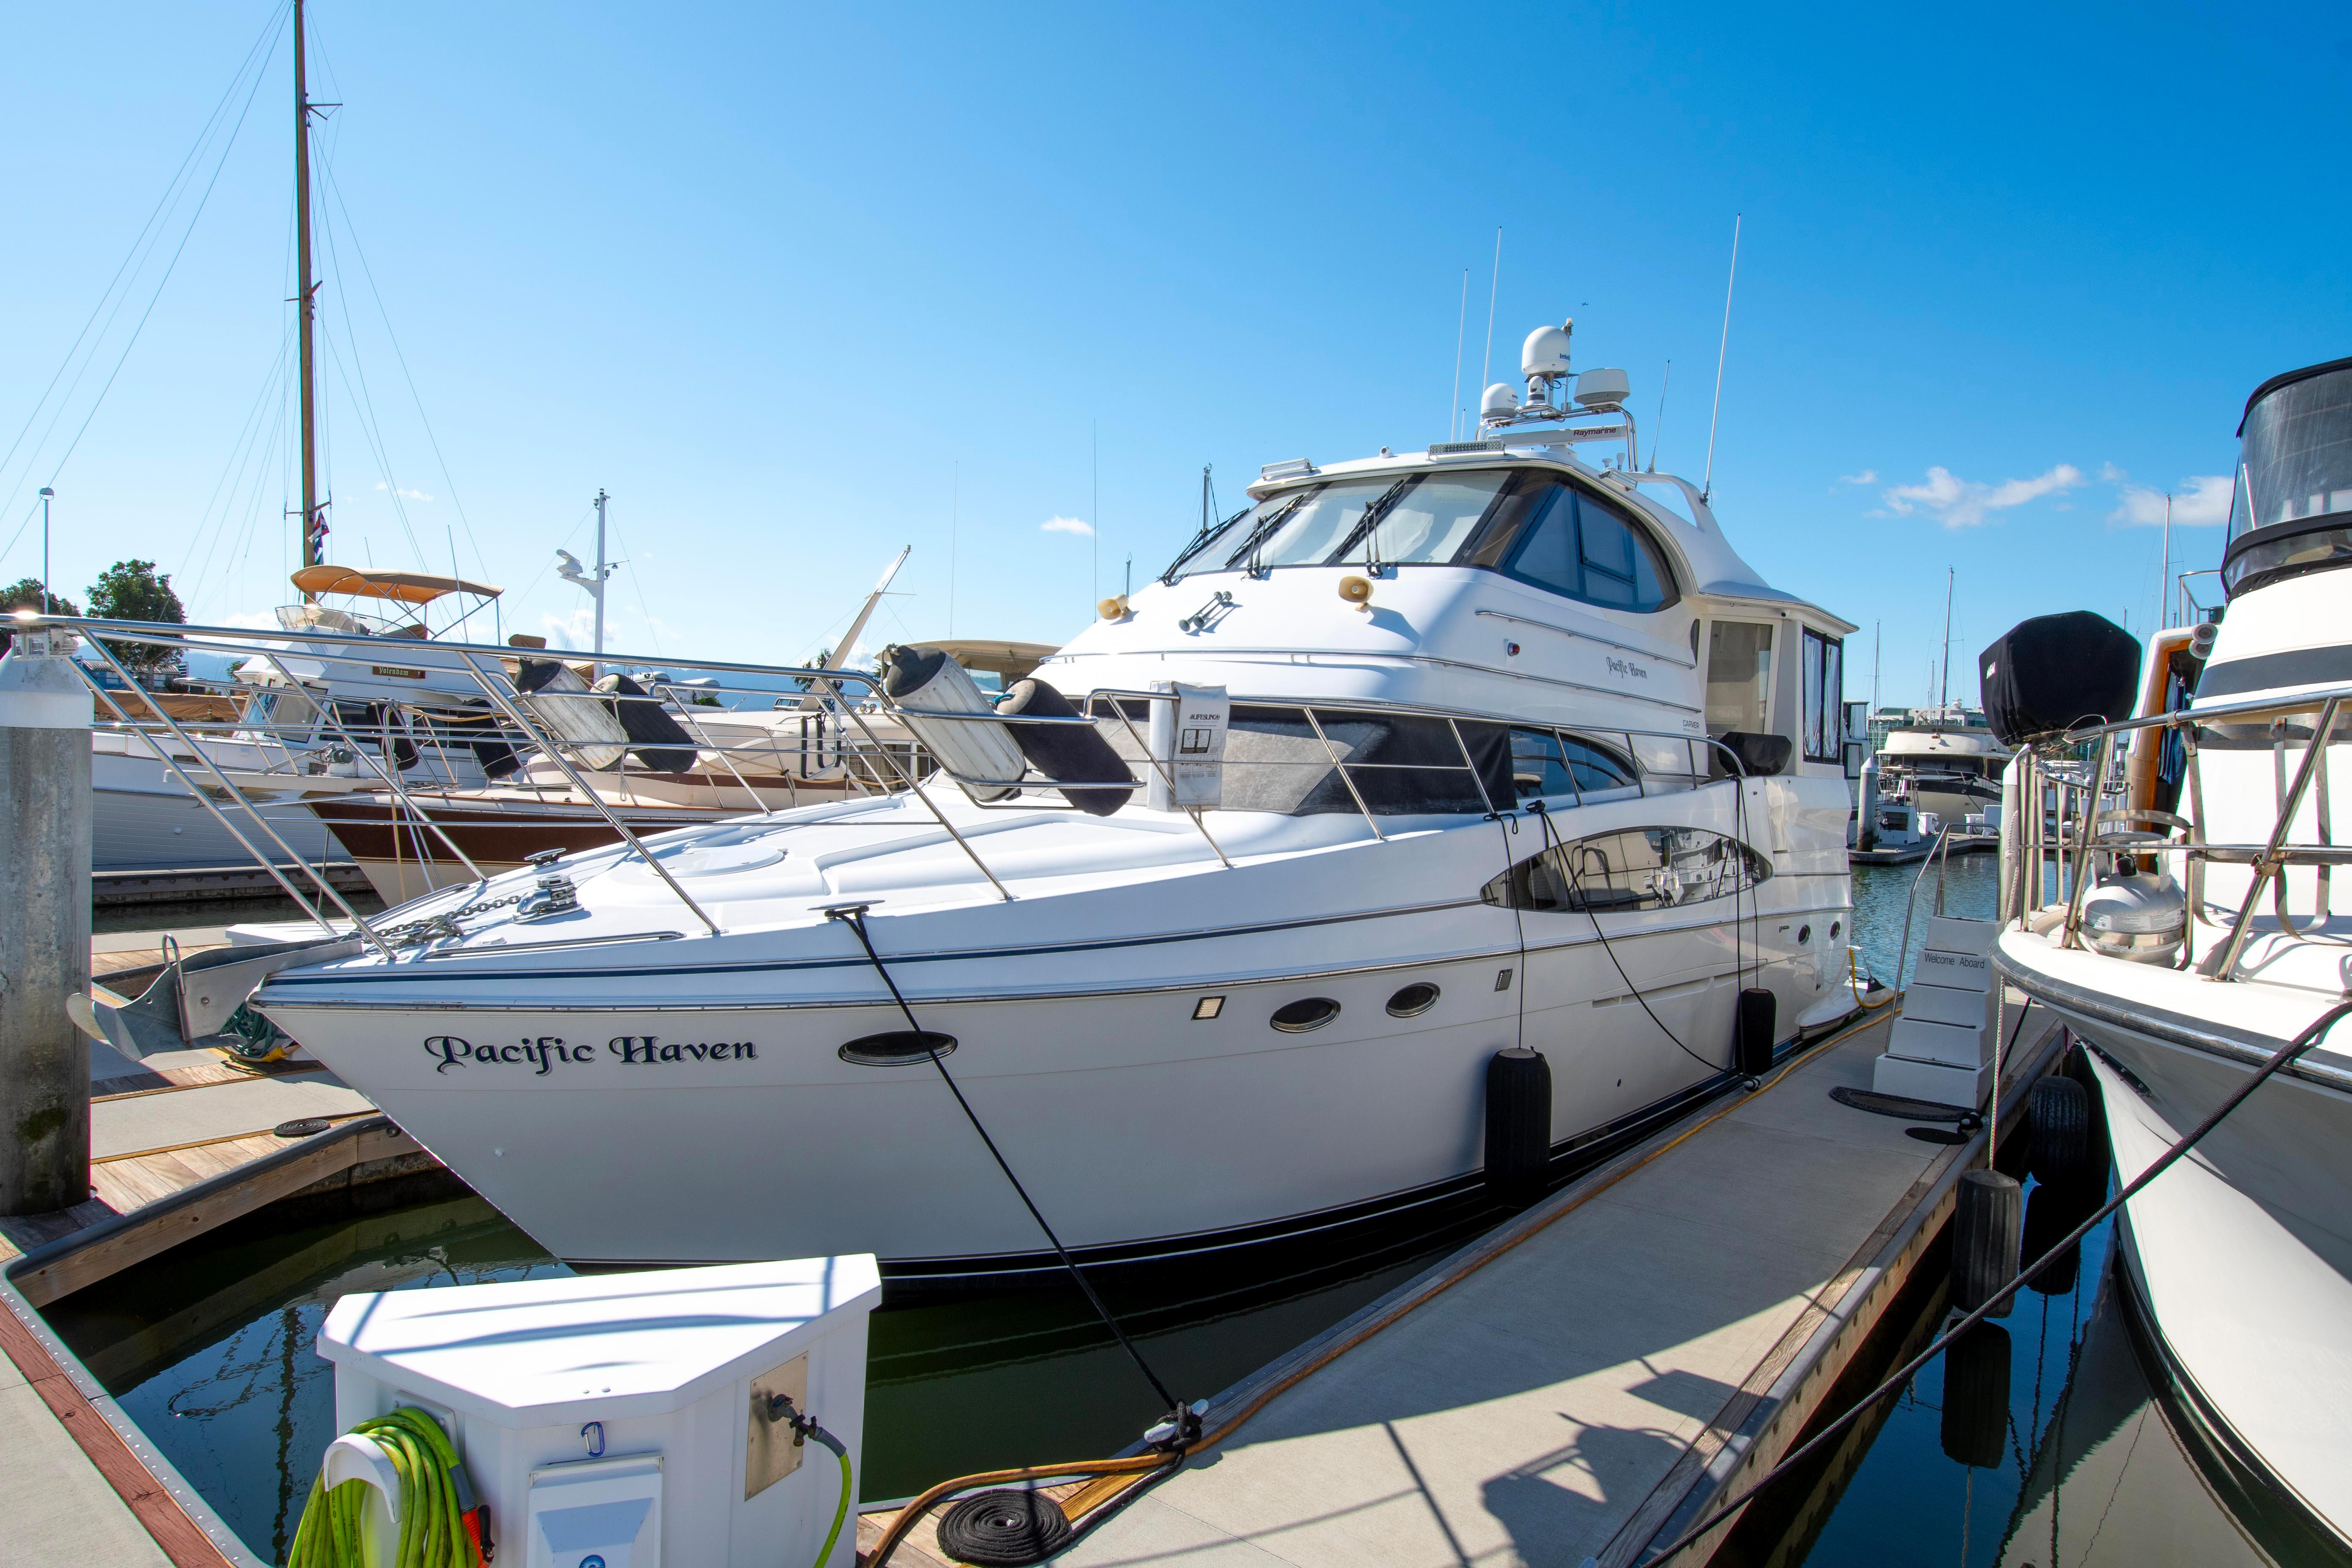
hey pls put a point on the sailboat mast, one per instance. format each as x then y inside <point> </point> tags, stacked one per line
<point>1944,660</point>
<point>313,530</point>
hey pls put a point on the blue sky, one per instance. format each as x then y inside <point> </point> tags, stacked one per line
<point>801,286</point>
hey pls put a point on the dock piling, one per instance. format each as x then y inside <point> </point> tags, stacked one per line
<point>45,827</point>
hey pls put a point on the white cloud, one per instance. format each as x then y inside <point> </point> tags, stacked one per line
<point>1867,476</point>
<point>1067,525</point>
<point>2201,501</point>
<point>412,495</point>
<point>1956,503</point>
<point>2111,475</point>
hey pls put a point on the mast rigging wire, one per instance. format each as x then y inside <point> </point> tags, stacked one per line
<point>141,327</point>
<point>854,916</point>
<point>172,189</point>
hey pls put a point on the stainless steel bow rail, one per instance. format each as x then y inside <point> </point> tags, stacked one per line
<point>845,714</point>
<point>2069,795</point>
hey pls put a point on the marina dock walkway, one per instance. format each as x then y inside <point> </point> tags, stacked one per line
<point>179,1143</point>
<point>1612,1361</point>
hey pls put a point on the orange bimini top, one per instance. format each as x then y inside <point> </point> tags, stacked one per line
<point>402,587</point>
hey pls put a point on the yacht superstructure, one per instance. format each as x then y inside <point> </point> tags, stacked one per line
<point>2195,941</point>
<point>1493,747</point>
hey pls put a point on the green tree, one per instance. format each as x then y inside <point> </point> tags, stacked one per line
<point>24,593</point>
<point>134,591</point>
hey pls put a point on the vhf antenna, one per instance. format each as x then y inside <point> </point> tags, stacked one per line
<point>1663,381</point>
<point>1706,489</point>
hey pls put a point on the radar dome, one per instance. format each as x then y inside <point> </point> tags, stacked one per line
<point>1545,352</point>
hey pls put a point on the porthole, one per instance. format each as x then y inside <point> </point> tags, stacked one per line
<point>1413,1000</point>
<point>1837,928</point>
<point>1804,935</point>
<point>900,1048</point>
<point>1307,1013</point>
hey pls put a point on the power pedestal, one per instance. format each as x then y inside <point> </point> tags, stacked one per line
<point>627,1420</point>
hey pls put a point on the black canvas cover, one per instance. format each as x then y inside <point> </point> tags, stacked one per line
<point>2054,673</point>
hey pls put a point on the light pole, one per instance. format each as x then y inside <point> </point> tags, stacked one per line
<point>46,494</point>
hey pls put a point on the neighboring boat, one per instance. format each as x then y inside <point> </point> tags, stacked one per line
<point>1945,761</point>
<point>1516,751</point>
<point>2202,938</point>
<point>645,755</point>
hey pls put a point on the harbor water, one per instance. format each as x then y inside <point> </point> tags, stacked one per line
<point>211,1349</point>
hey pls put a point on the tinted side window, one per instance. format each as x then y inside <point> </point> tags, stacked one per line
<point>1637,868</point>
<point>1582,547</point>
<point>1546,762</point>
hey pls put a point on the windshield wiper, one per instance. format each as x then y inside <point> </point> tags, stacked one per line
<point>1371,519</point>
<point>1199,542</point>
<point>1264,531</point>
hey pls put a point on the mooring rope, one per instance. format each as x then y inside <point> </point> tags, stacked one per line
<point>854,916</point>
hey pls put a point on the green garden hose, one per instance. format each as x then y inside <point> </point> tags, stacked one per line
<point>433,1526</point>
<point>841,1510</point>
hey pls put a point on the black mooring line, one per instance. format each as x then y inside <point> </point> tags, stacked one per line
<point>854,918</point>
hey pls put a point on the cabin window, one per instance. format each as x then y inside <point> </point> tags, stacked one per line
<point>1625,872</point>
<point>1824,695</point>
<point>1547,763</point>
<point>1738,676</point>
<point>1401,764</point>
<point>1582,547</point>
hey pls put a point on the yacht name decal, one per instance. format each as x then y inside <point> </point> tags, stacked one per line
<point>545,1052</point>
<point>1628,668</point>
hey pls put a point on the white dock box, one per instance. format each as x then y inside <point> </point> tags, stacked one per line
<point>625,1419</point>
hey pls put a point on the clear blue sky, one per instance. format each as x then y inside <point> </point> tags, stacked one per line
<point>797,285</point>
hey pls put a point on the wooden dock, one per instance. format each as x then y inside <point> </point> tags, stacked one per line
<point>1583,1383</point>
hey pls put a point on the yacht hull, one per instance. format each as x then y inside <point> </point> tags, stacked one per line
<point>2238,1253</point>
<point>684,1129</point>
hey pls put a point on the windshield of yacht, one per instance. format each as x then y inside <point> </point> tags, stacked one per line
<point>326,619</point>
<point>2295,478</point>
<point>1419,519</point>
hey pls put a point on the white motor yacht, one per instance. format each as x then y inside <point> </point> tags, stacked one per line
<point>1483,746</point>
<point>2194,939</point>
<point>1944,760</point>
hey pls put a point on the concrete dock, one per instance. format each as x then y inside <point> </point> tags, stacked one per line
<point>1583,1383</point>
<point>179,1143</point>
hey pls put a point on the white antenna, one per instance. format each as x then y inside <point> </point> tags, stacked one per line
<point>1486,363</point>
<point>1706,486</point>
<point>1461,323</point>
<point>1663,381</point>
<point>2163,572</point>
